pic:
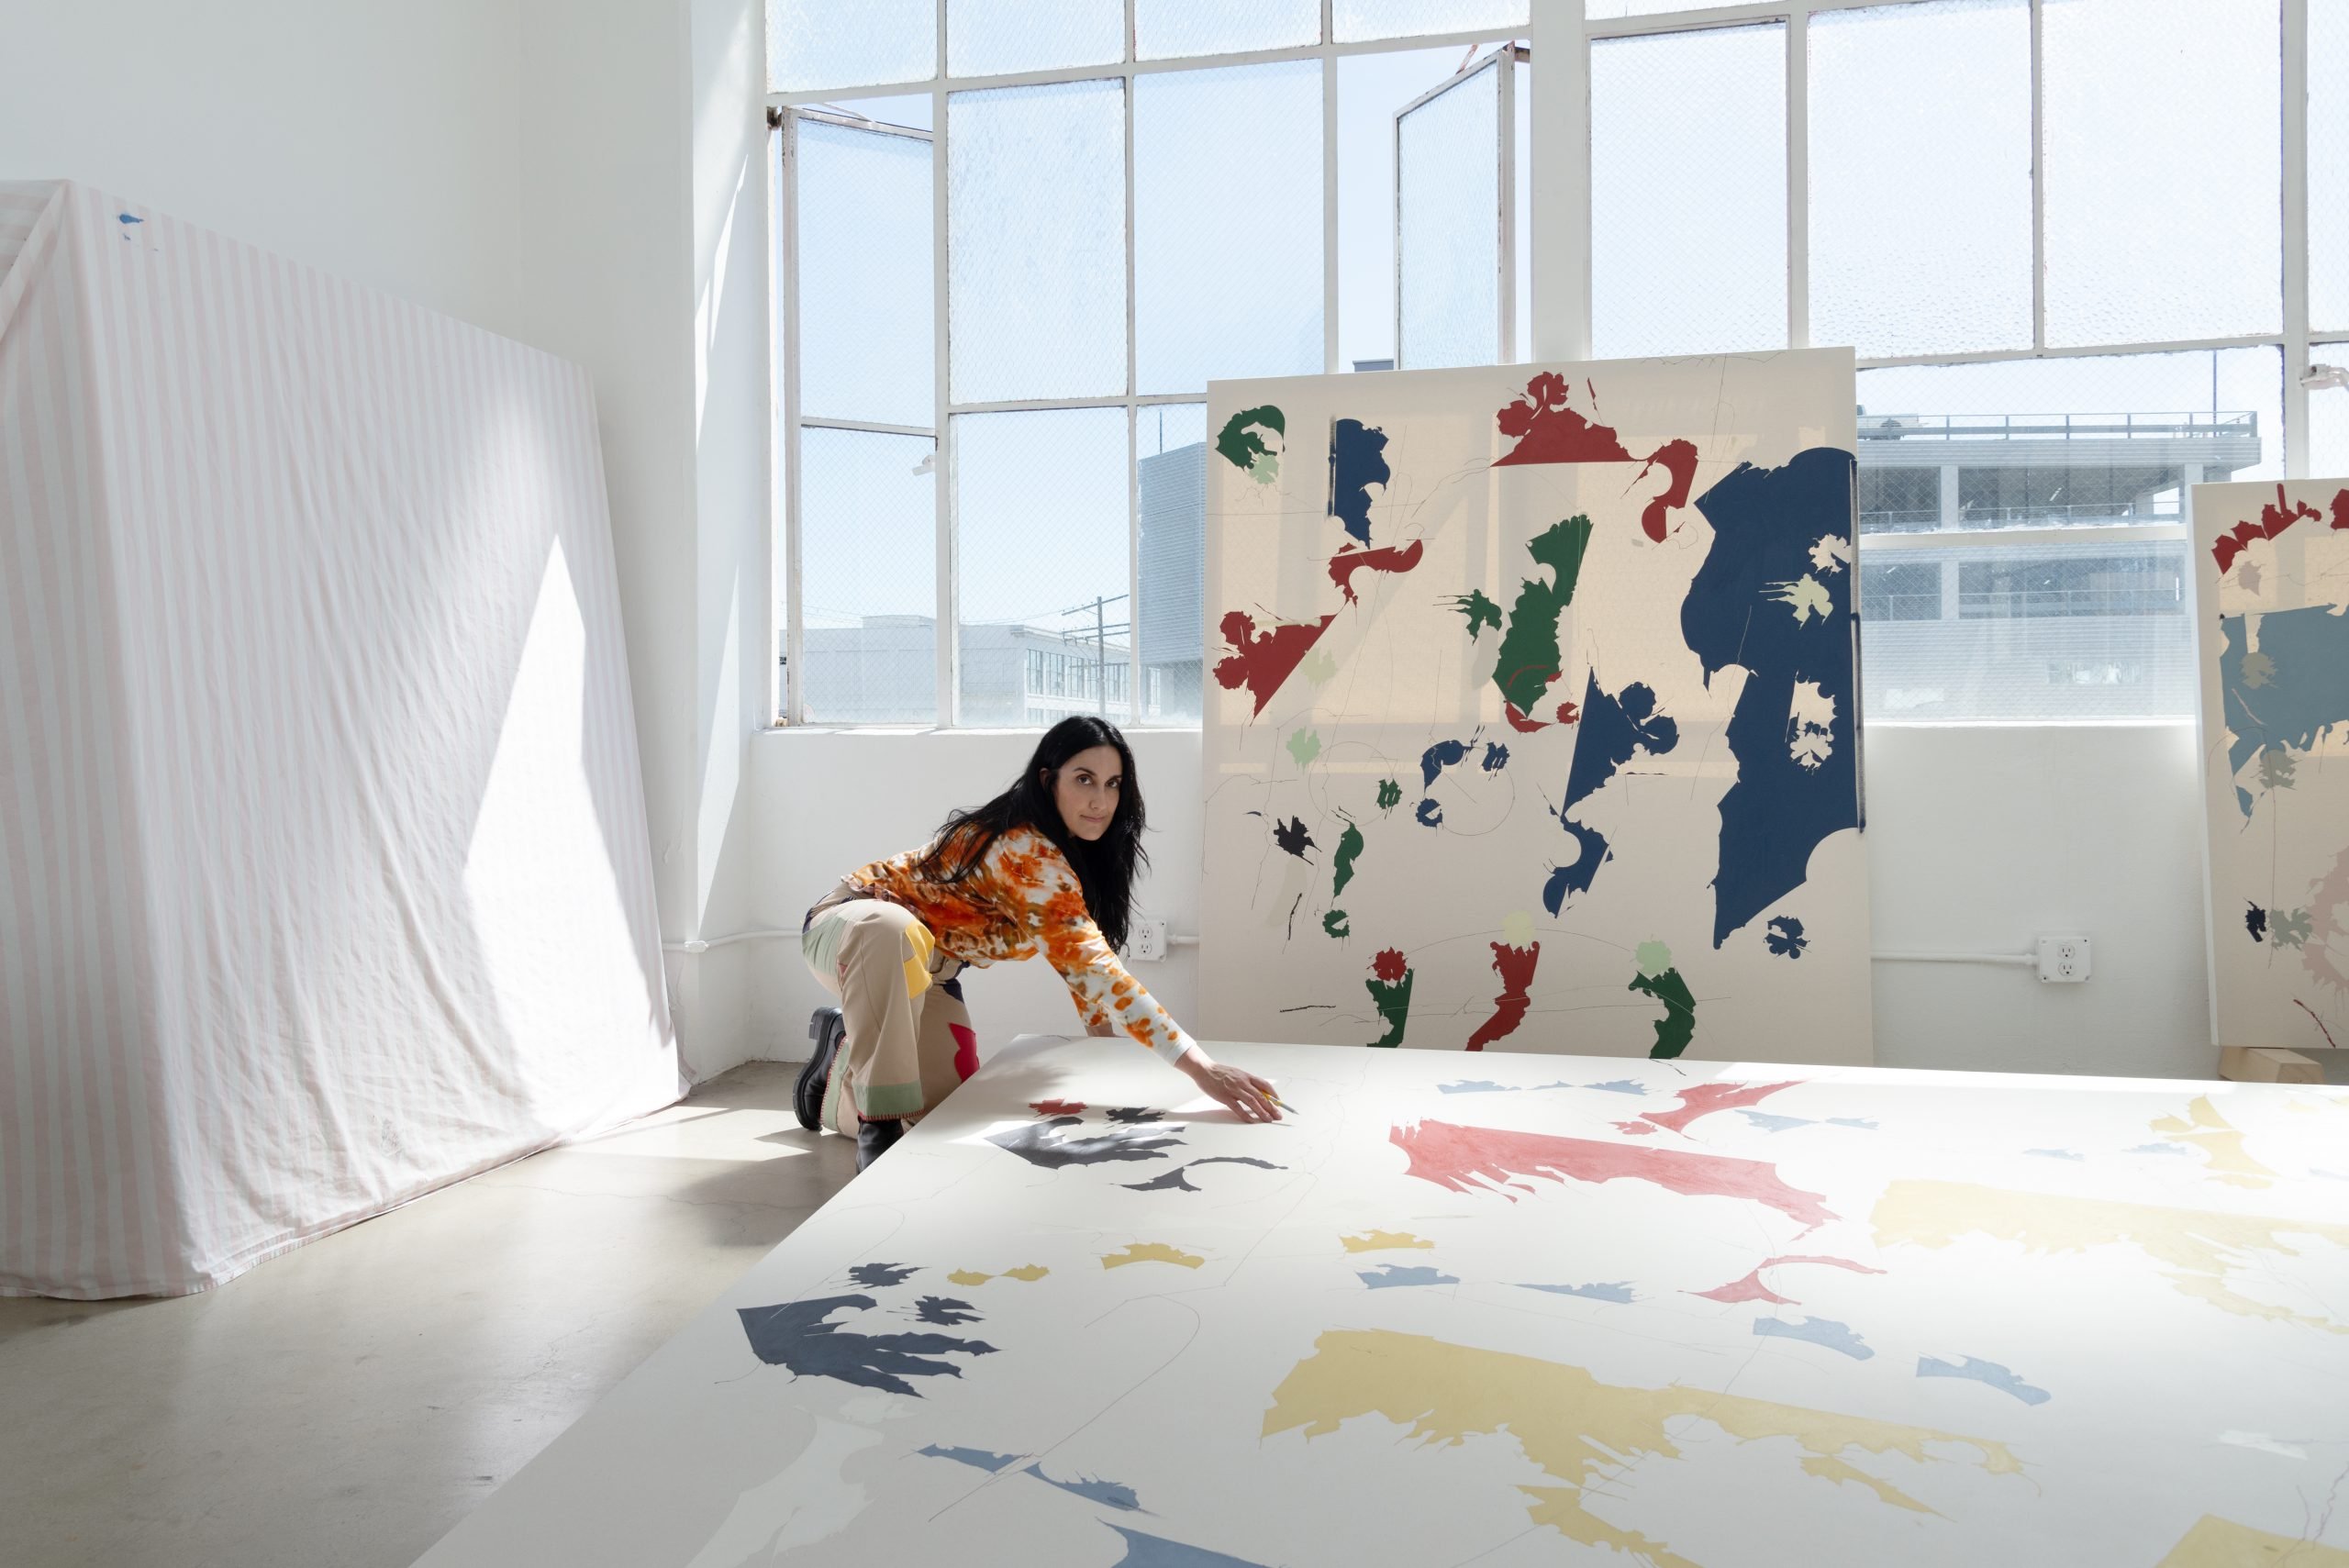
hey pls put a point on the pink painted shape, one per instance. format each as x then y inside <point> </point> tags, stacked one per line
<point>1056,1107</point>
<point>1448,1154</point>
<point>1704,1099</point>
<point>1751,1287</point>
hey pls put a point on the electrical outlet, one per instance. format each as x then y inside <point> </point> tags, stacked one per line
<point>2063,960</point>
<point>1147,942</point>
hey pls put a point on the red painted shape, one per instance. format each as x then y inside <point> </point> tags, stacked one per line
<point>1703,1099</point>
<point>2341,508</point>
<point>1679,461</point>
<point>1638,1129</point>
<point>966,1050</point>
<point>1052,1107</point>
<point>1387,558</point>
<point>1261,660</point>
<point>1448,1154</point>
<point>2273,520</point>
<point>1515,966</point>
<point>1519,722</point>
<point>1751,1287</point>
<point>1389,965</point>
<point>1547,430</point>
<point>1569,713</point>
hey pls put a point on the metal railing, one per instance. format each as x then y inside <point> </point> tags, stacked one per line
<point>2066,427</point>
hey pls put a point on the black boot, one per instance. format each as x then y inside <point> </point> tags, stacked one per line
<point>825,1028</point>
<point>874,1138</point>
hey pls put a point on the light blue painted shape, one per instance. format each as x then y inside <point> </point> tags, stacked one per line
<point>1620,1290</point>
<point>1980,1371</point>
<point>1819,1331</point>
<point>1396,1274</point>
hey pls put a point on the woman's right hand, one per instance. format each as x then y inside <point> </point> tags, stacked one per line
<point>1239,1090</point>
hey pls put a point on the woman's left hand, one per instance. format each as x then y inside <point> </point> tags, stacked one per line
<point>1241,1092</point>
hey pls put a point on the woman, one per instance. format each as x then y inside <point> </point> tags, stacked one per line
<point>1047,866</point>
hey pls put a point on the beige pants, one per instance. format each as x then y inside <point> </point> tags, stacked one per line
<point>908,1039</point>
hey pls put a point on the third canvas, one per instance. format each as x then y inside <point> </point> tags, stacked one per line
<point>1533,721</point>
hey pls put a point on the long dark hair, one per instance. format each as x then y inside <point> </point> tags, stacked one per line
<point>1105,867</point>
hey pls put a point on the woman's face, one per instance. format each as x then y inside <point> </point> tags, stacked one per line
<point>1085,789</point>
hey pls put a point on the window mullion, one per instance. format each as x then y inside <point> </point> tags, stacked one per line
<point>2038,178</point>
<point>2295,131</point>
<point>948,634</point>
<point>795,664</point>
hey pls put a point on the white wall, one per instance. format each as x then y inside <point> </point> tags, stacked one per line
<point>376,141</point>
<point>1979,838</point>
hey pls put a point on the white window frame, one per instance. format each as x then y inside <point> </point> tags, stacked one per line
<point>1560,34</point>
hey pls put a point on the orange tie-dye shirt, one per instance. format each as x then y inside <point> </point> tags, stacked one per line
<point>1021,899</point>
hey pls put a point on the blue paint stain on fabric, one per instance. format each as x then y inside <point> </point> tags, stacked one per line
<point>798,1335</point>
<point>1818,1332</point>
<point>945,1311</point>
<point>126,218</point>
<point>977,1458</point>
<point>2299,690</point>
<point>2158,1149</point>
<point>1620,1290</point>
<point>1156,1552</point>
<point>1576,877</point>
<point>1769,1122</point>
<point>1495,756</point>
<point>1784,936</point>
<point>1612,729</point>
<point>1765,523</point>
<point>876,1276</point>
<point>1110,1494</point>
<point>1396,1274</point>
<point>1437,757</point>
<point>1990,1373</point>
<point>1358,461</point>
<point>2055,1154</point>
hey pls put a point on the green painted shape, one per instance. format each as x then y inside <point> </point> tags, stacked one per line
<point>1242,447</point>
<point>1390,795</point>
<point>1305,745</point>
<point>1654,958</point>
<point>2276,768</point>
<point>1334,924</point>
<point>1318,666</point>
<point>1481,611</point>
<point>1678,1025</point>
<point>2257,668</point>
<point>1394,1005</point>
<point>1349,844</point>
<point>1529,653</point>
<point>2289,930</point>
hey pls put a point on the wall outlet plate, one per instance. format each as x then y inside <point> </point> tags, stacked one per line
<point>2063,960</point>
<point>1146,943</point>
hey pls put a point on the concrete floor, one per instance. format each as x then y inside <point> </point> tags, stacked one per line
<point>346,1403</point>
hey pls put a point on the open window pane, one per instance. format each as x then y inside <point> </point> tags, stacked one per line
<point>1170,446</point>
<point>868,592</point>
<point>1226,225</point>
<point>1036,241</point>
<point>1920,177</point>
<point>1356,21</point>
<point>1371,87</point>
<point>816,44</point>
<point>2329,168</point>
<point>867,307</point>
<point>993,37</point>
<point>1041,517</point>
<point>1448,224</point>
<point>1975,604</point>
<point>1168,29</point>
<point>2163,172</point>
<point>2329,419</point>
<point>1689,191</point>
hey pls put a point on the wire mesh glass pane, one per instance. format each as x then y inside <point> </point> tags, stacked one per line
<point>868,569</point>
<point>1975,602</point>
<point>867,303</point>
<point>1356,20</point>
<point>1448,224</point>
<point>1226,224</point>
<point>1170,446</point>
<point>1036,241</point>
<point>1689,191</point>
<point>1611,10</point>
<point>1168,29</point>
<point>2329,419</point>
<point>1041,510</point>
<point>1920,177</point>
<point>816,44</point>
<point>989,38</point>
<point>2163,172</point>
<point>2329,167</point>
<point>1371,87</point>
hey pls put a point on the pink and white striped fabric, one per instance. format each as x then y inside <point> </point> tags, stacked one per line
<point>324,874</point>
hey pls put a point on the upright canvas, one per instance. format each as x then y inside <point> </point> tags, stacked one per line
<point>2272,576</point>
<point>1534,717</point>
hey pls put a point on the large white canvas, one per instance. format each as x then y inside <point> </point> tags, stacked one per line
<point>1641,836</point>
<point>1519,1311</point>
<point>2272,585</point>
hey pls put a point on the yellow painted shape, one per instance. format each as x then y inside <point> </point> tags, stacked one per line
<point>1024,1271</point>
<point>1384,1241</point>
<point>2217,1137</point>
<point>1150,1252</point>
<point>2198,1246</point>
<point>2214,1542</point>
<point>919,945</point>
<point>1570,1423</point>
